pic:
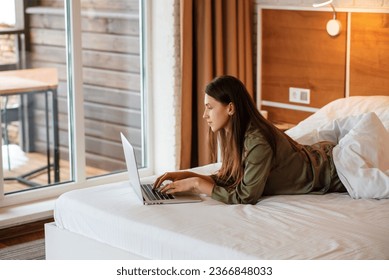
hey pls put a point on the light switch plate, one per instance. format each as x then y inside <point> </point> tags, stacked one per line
<point>299,95</point>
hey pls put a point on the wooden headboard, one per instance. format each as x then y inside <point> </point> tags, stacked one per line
<point>295,51</point>
<point>369,54</point>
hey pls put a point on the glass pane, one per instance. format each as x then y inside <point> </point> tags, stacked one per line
<point>112,82</point>
<point>33,87</point>
<point>7,35</point>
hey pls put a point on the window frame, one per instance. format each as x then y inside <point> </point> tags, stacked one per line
<point>74,68</point>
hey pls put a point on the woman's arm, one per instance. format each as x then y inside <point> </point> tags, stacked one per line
<point>256,171</point>
<point>184,181</point>
<point>258,164</point>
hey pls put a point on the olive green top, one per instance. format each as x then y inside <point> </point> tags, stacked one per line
<point>307,169</point>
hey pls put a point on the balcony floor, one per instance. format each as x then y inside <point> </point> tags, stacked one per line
<point>34,161</point>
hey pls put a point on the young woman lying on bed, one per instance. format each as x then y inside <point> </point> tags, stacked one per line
<point>259,160</point>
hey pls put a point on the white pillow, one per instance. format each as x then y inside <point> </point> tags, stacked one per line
<point>343,107</point>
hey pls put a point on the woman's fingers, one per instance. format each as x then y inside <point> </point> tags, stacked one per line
<point>178,186</point>
<point>158,182</point>
<point>169,176</point>
<point>168,188</point>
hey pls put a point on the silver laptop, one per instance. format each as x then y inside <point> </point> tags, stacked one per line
<point>145,192</point>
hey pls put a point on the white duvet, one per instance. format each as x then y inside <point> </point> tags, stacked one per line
<point>362,154</point>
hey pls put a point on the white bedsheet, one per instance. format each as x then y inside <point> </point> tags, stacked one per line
<point>332,226</point>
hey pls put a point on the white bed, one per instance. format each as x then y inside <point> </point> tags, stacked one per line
<point>108,222</point>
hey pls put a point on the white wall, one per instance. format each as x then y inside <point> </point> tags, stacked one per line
<point>164,85</point>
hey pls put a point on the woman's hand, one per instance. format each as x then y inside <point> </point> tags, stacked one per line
<point>171,176</point>
<point>185,181</point>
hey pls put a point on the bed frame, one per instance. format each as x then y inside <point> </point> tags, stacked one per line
<point>77,247</point>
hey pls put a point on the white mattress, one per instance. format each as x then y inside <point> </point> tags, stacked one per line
<point>332,226</point>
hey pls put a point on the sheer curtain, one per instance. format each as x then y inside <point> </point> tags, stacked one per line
<point>216,39</point>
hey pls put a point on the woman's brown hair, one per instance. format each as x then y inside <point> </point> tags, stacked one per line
<point>227,89</point>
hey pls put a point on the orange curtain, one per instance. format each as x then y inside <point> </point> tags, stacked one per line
<point>216,39</point>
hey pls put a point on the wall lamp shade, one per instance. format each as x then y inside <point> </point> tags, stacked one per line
<point>333,25</point>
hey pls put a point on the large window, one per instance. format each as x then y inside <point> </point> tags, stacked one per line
<point>81,63</point>
<point>111,82</point>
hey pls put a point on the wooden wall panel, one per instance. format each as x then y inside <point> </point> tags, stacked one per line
<point>281,115</point>
<point>298,52</point>
<point>369,54</point>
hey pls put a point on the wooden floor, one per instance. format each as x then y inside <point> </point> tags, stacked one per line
<point>23,233</point>
<point>35,230</point>
<point>36,160</point>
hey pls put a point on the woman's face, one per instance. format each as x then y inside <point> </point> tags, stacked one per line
<point>216,113</point>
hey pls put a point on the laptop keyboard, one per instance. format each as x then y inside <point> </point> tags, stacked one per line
<point>155,194</point>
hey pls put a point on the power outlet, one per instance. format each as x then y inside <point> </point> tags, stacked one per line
<point>299,95</point>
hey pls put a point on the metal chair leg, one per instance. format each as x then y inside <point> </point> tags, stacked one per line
<point>6,140</point>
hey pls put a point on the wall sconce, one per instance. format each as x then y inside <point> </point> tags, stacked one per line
<point>333,25</point>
